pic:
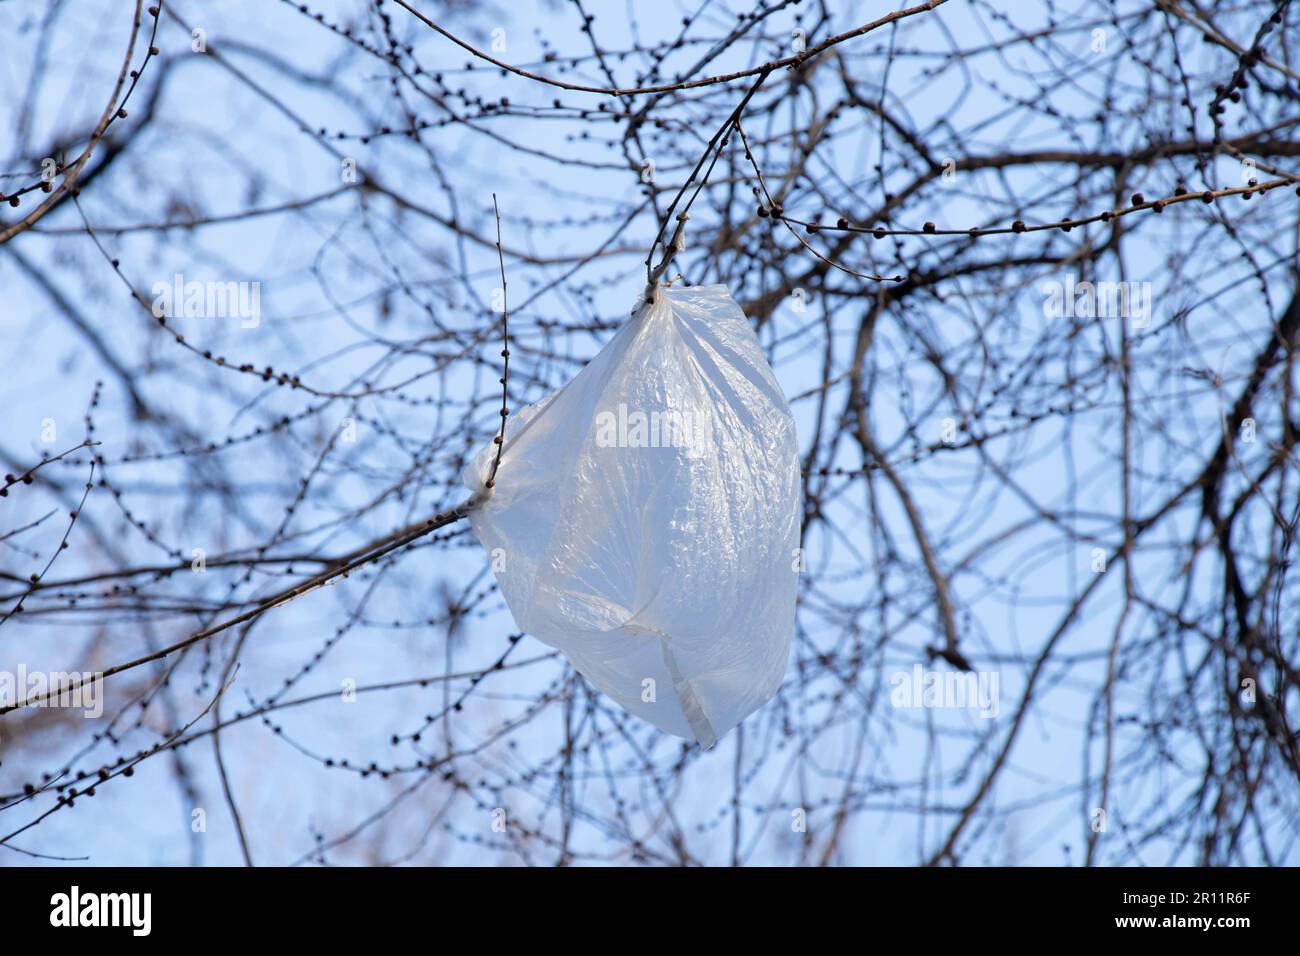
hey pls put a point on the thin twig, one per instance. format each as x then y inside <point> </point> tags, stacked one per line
<point>500,440</point>
<point>764,69</point>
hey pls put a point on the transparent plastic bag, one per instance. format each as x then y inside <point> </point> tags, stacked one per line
<point>645,518</point>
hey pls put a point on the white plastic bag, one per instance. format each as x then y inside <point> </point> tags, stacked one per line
<point>648,516</point>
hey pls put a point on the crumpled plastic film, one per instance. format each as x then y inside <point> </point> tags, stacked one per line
<point>645,518</point>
